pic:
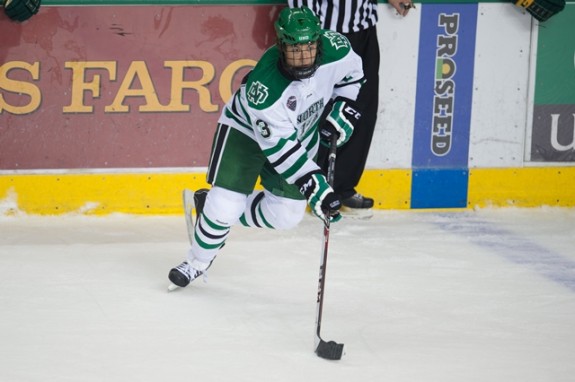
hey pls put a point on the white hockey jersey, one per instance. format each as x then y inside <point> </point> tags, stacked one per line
<point>282,114</point>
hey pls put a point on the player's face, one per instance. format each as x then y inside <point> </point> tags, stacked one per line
<point>300,55</point>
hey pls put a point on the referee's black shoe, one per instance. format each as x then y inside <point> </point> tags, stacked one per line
<point>357,201</point>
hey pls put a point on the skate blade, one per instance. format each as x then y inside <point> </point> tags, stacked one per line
<point>172,287</point>
<point>356,213</point>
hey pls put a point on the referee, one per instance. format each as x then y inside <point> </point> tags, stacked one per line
<point>357,20</point>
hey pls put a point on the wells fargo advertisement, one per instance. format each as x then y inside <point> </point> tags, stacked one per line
<point>122,87</point>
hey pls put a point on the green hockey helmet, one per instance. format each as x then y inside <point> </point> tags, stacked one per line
<point>298,27</point>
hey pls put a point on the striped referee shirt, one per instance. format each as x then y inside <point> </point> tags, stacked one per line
<point>342,16</point>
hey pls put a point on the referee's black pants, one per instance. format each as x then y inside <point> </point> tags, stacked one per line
<point>351,157</point>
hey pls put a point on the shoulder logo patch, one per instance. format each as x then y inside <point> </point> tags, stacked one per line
<point>336,40</point>
<point>292,103</point>
<point>257,93</point>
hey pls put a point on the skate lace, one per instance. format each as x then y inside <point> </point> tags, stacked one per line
<point>185,269</point>
<point>196,273</point>
<point>191,272</point>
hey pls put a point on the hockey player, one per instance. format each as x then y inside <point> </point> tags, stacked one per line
<point>270,129</point>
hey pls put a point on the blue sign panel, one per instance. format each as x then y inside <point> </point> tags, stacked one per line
<point>443,100</point>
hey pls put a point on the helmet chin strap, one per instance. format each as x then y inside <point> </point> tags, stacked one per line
<point>301,73</point>
<point>298,73</point>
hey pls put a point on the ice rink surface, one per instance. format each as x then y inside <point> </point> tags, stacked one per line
<point>484,295</point>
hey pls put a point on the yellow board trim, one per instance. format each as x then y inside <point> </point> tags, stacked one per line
<point>391,189</point>
<point>160,193</point>
<point>96,194</point>
<point>522,187</point>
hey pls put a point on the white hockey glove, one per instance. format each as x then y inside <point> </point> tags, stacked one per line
<point>320,196</point>
<point>340,117</point>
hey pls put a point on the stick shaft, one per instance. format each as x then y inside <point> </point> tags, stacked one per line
<point>325,243</point>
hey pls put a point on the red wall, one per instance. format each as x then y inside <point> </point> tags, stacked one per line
<point>122,87</point>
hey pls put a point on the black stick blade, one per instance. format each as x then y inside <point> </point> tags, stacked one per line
<point>329,350</point>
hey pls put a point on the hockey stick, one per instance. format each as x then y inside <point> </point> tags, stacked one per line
<point>329,350</point>
<point>189,205</point>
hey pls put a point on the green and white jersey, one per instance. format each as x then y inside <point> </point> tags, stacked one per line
<point>282,114</point>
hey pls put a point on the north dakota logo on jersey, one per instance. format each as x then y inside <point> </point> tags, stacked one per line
<point>336,40</point>
<point>307,119</point>
<point>311,111</point>
<point>257,93</point>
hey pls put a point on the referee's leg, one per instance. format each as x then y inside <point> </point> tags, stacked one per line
<point>352,157</point>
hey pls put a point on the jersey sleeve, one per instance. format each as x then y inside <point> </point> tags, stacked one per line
<point>346,65</point>
<point>352,79</point>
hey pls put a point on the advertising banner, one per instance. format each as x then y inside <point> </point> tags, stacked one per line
<point>553,130</point>
<point>443,105</point>
<point>122,87</point>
